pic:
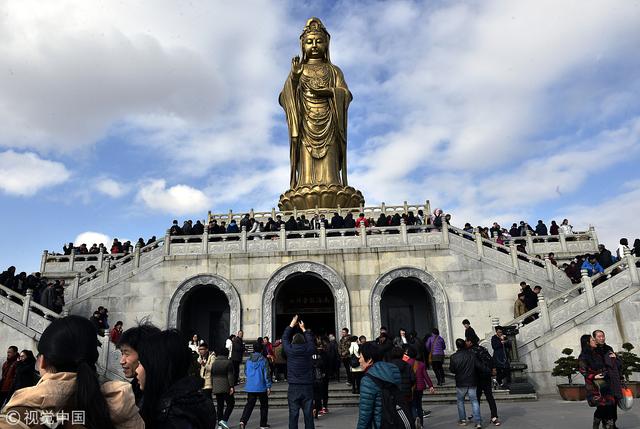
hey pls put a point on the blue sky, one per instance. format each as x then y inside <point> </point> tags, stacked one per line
<point>118,117</point>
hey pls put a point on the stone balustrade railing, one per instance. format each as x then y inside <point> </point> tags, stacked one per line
<point>580,298</point>
<point>24,306</point>
<point>369,212</point>
<point>562,245</point>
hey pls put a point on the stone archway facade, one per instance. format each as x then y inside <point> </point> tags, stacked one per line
<point>210,280</point>
<point>433,287</point>
<point>330,277</point>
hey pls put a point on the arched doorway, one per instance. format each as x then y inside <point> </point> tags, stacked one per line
<point>405,284</point>
<point>208,305</point>
<point>308,296</point>
<point>406,304</point>
<point>206,312</point>
<point>328,278</point>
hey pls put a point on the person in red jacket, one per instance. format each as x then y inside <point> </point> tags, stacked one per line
<point>116,332</point>
<point>422,381</point>
<point>362,220</point>
<point>8,373</point>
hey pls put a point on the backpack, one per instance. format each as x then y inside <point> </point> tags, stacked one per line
<point>318,373</point>
<point>486,359</point>
<point>396,413</point>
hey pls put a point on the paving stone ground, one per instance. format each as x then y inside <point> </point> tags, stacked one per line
<point>547,413</point>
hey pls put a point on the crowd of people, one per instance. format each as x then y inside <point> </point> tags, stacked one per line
<point>49,294</point>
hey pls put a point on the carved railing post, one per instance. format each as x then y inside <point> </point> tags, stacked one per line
<point>633,270</point>
<point>513,251</point>
<point>43,261</point>
<point>273,213</point>
<point>544,313</point>
<point>136,256</point>
<point>283,238</point>
<point>478,240</point>
<point>495,321</point>
<point>563,241</point>
<point>427,211</point>
<point>205,241</point>
<point>549,266</point>
<point>72,259</point>
<point>100,258</point>
<point>405,207</point>
<point>106,270</point>
<point>588,288</point>
<point>26,304</point>
<point>363,235</point>
<point>76,286</point>
<point>445,232</point>
<point>167,243</point>
<point>383,208</point>
<point>230,216</point>
<point>323,236</point>
<point>403,231</point>
<point>594,236</point>
<point>243,238</point>
<point>65,311</point>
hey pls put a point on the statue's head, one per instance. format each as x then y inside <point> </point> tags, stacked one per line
<point>314,41</point>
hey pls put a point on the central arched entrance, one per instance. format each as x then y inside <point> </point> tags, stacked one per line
<point>206,312</point>
<point>406,304</point>
<point>308,296</point>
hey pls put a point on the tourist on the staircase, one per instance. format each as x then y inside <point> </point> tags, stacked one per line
<point>422,382</point>
<point>320,381</point>
<point>469,332</point>
<point>116,332</point>
<point>258,386</point>
<point>605,258</point>
<point>8,373</point>
<point>501,347</point>
<point>237,353</point>
<point>401,340</point>
<point>279,362</point>
<point>464,365</point>
<point>541,228</point>
<point>357,371</point>
<point>129,359</point>
<point>385,344</point>
<point>484,377</point>
<point>343,350</point>
<point>67,359</point>
<point>565,228</point>
<point>299,348</point>
<point>333,358</point>
<point>592,266</point>
<point>48,297</point>
<point>194,343</point>
<point>172,398</point>
<point>205,360</point>
<point>269,354</point>
<point>222,381</point>
<point>597,367</point>
<point>519,307</point>
<point>377,371</point>
<point>434,349</point>
<point>26,374</point>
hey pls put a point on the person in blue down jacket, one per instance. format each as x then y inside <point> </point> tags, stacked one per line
<point>258,386</point>
<point>370,415</point>
<point>299,351</point>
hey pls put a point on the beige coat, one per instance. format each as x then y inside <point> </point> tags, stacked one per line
<point>519,308</point>
<point>205,371</point>
<point>53,393</point>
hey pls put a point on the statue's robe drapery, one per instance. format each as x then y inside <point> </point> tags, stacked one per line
<point>317,126</point>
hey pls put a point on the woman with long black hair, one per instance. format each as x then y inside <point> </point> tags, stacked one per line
<point>594,368</point>
<point>171,398</point>
<point>68,351</point>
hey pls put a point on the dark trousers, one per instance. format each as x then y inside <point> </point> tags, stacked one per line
<point>417,406</point>
<point>252,397</point>
<point>484,386</point>
<point>347,366</point>
<point>503,375</point>
<point>300,396</point>
<point>356,379</point>
<point>236,371</point>
<point>280,372</point>
<point>438,371</point>
<point>606,412</point>
<point>320,395</point>
<point>225,413</point>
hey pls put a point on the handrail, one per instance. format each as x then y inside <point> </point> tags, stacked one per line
<point>32,304</point>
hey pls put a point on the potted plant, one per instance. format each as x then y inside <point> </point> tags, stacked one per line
<point>630,364</point>
<point>567,366</point>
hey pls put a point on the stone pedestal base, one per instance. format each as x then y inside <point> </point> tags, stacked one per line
<point>308,197</point>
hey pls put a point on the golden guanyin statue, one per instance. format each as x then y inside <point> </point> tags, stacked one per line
<point>315,99</point>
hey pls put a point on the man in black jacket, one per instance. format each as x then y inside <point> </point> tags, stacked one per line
<point>465,366</point>
<point>299,350</point>
<point>484,377</point>
<point>237,352</point>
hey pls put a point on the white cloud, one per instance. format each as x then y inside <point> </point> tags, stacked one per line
<point>25,174</point>
<point>111,187</point>
<point>91,237</point>
<point>178,199</point>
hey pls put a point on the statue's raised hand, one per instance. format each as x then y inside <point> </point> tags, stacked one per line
<point>296,67</point>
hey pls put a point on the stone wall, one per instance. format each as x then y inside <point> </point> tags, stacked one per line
<point>12,335</point>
